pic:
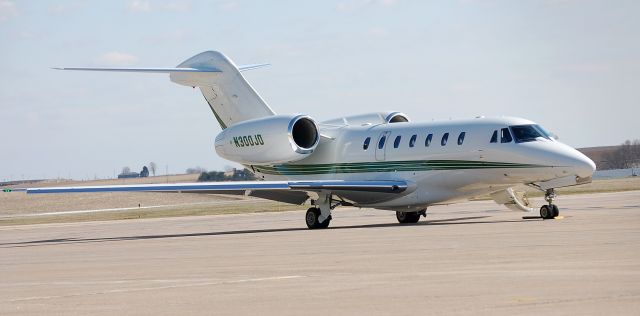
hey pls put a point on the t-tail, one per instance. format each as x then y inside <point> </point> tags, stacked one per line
<point>231,98</point>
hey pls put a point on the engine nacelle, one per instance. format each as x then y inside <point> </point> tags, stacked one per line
<point>273,139</point>
<point>370,118</point>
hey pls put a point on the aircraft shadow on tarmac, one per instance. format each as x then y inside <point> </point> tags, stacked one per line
<point>64,241</point>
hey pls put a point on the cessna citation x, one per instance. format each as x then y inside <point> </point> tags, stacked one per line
<point>379,160</point>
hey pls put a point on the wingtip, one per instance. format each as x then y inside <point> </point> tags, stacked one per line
<point>10,190</point>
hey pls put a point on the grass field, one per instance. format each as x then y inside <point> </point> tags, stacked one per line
<point>597,186</point>
<point>19,208</point>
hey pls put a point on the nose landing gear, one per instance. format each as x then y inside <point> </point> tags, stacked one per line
<point>550,211</point>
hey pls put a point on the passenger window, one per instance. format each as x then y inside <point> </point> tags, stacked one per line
<point>505,136</point>
<point>461,138</point>
<point>427,141</point>
<point>445,137</point>
<point>412,141</point>
<point>381,142</point>
<point>494,137</point>
<point>365,146</point>
<point>396,143</point>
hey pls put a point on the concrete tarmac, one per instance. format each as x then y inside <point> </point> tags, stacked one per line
<point>468,258</point>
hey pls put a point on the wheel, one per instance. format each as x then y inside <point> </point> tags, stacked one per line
<point>407,217</point>
<point>546,212</point>
<point>556,211</point>
<point>326,222</point>
<point>311,218</point>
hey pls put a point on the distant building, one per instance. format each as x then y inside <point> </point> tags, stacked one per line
<point>145,172</point>
<point>229,174</point>
<point>128,175</point>
<point>238,175</point>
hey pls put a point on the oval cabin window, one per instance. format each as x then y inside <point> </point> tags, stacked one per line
<point>461,138</point>
<point>396,143</point>
<point>412,141</point>
<point>445,138</point>
<point>365,146</point>
<point>381,142</point>
<point>427,140</point>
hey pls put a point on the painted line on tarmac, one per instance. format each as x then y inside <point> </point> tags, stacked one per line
<point>123,209</point>
<point>108,282</point>
<point>155,288</point>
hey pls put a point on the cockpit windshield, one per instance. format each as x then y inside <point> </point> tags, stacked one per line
<point>543,131</point>
<point>528,133</point>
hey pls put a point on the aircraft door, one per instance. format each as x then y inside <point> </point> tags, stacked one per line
<point>381,145</point>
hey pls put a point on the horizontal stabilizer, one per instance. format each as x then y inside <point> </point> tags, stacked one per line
<point>161,70</point>
<point>151,70</point>
<point>252,66</point>
<point>230,97</point>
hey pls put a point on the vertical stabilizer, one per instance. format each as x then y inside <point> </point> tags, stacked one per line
<point>230,96</point>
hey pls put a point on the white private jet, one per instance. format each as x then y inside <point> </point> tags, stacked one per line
<point>379,160</point>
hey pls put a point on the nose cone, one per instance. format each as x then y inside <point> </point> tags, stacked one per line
<point>583,166</point>
<point>573,161</point>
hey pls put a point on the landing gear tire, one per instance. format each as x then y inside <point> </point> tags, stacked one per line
<point>556,211</point>
<point>549,211</point>
<point>408,217</point>
<point>311,218</point>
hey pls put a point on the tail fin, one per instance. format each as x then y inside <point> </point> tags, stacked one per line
<point>230,96</point>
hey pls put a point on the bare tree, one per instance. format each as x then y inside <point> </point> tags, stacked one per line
<point>196,170</point>
<point>126,170</point>
<point>626,156</point>
<point>635,152</point>
<point>153,167</point>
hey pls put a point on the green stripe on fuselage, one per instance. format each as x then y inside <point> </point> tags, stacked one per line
<point>386,166</point>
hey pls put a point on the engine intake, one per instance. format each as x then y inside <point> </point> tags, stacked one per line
<point>396,117</point>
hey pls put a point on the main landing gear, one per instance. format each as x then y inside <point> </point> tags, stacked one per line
<point>410,217</point>
<point>549,211</point>
<point>313,219</point>
<point>319,216</point>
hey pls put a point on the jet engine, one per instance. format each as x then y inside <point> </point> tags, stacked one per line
<point>268,140</point>
<point>370,118</point>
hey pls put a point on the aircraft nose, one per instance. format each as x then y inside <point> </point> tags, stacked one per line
<point>583,166</point>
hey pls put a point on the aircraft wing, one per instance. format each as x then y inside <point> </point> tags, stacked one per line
<point>380,186</point>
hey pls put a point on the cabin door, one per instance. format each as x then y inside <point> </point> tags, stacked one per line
<point>381,145</point>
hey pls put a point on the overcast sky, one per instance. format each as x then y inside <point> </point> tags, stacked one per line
<point>572,66</point>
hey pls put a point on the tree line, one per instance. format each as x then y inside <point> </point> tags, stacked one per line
<point>625,156</point>
<point>234,175</point>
